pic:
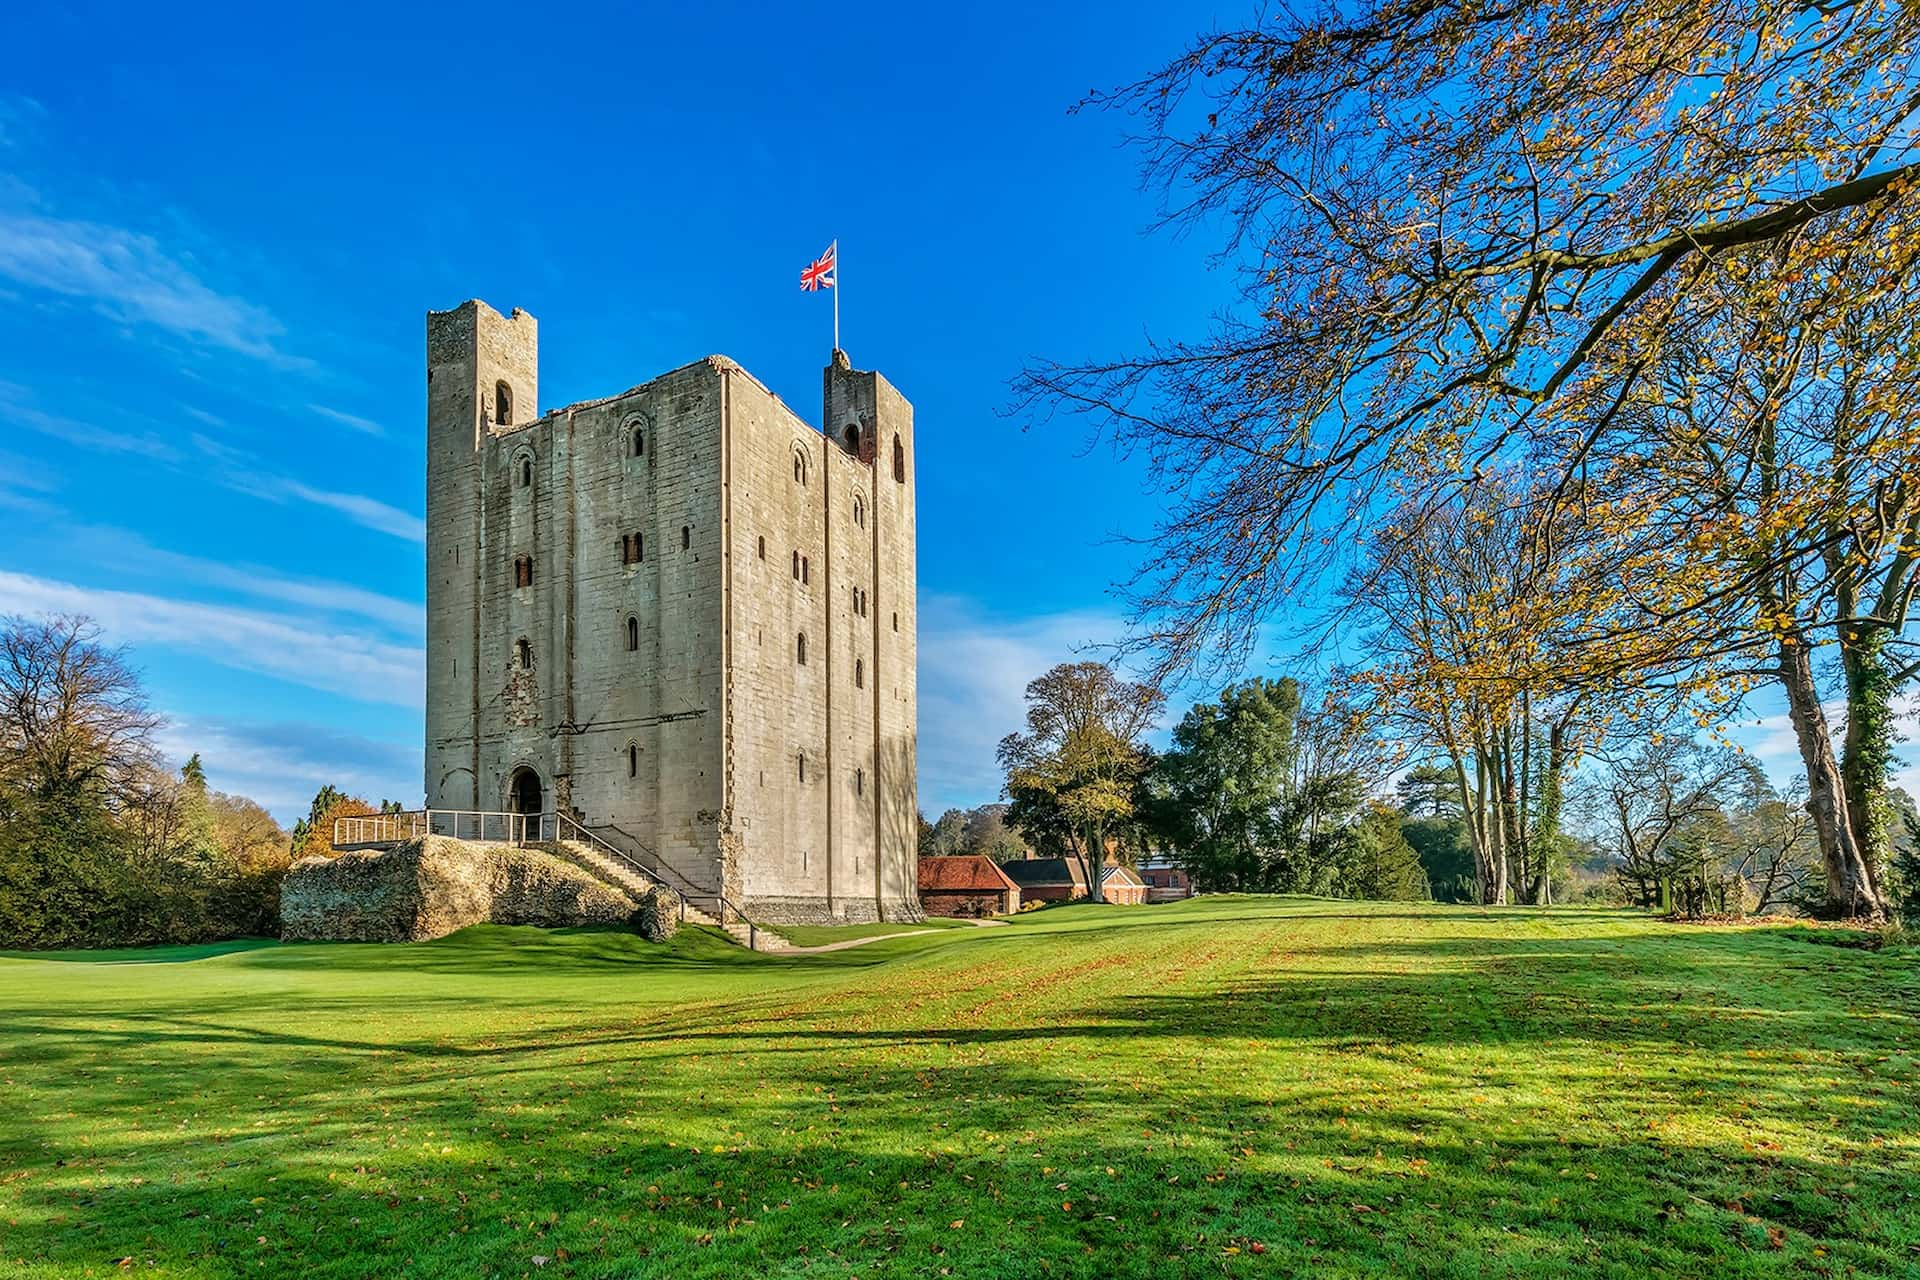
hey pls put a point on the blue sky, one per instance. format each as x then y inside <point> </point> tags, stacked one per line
<point>219,231</point>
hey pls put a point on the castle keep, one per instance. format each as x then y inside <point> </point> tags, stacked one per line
<point>680,615</point>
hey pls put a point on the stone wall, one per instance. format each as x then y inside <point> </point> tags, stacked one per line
<point>428,888</point>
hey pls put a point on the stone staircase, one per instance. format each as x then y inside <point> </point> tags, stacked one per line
<point>611,870</point>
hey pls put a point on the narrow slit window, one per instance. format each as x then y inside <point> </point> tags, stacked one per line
<point>502,404</point>
<point>763,548</point>
<point>639,442</point>
<point>526,473</point>
<point>803,766</point>
<point>899,461</point>
<point>859,673</point>
<point>686,536</point>
<point>633,760</point>
<point>633,634</point>
<point>859,512</point>
<point>800,649</point>
<point>796,566</point>
<point>523,651</point>
<point>805,570</point>
<point>523,571</point>
<point>859,782</point>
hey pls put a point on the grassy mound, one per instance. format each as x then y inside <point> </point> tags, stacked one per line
<point>1251,1086</point>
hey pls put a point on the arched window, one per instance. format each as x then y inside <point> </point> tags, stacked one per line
<point>633,760</point>
<point>686,536</point>
<point>806,567</point>
<point>763,546</point>
<point>639,442</point>
<point>502,404</point>
<point>859,512</point>
<point>859,782</point>
<point>526,472</point>
<point>524,651</point>
<point>633,634</point>
<point>800,650</point>
<point>799,467</point>
<point>899,461</point>
<point>796,566</point>
<point>852,437</point>
<point>859,673</point>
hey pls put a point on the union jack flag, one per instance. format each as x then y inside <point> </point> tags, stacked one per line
<point>819,272</point>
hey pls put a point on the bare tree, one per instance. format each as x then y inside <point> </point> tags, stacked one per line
<point>73,717</point>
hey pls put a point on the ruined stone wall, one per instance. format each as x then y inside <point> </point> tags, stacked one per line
<point>428,888</point>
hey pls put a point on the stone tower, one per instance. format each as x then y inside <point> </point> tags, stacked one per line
<point>680,615</point>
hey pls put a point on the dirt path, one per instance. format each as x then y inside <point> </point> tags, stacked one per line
<point>788,949</point>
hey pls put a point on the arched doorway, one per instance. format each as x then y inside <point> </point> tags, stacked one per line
<point>524,794</point>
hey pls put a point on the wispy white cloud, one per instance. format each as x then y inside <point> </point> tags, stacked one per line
<point>302,651</point>
<point>243,472</point>
<point>130,277</point>
<point>133,554</point>
<point>1771,741</point>
<point>360,509</point>
<point>16,405</point>
<point>211,419</point>
<point>974,671</point>
<point>352,421</point>
<point>281,766</point>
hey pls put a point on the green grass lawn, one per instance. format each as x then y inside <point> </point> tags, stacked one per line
<point>1229,1086</point>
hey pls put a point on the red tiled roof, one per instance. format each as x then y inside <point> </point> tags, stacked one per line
<point>971,872</point>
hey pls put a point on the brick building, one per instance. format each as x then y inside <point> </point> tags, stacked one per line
<point>969,885</point>
<point>1065,879</point>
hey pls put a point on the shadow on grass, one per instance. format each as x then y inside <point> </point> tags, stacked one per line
<point>1479,1103</point>
<point>610,1166</point>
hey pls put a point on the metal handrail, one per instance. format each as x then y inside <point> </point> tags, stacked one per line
<point>686,888</point>
<point>489,826</point>
<point>566,828</point>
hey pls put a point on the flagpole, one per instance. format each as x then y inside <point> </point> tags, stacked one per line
<point>836,295</point>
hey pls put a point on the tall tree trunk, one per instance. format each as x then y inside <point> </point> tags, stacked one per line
<point>1866,753</point>
<point>1850,887</point>
<point>1552,794</point>
<point>1097,857</point>
<point>1473,807</point>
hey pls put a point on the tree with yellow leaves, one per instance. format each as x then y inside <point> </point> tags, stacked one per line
<point>1473,236</point>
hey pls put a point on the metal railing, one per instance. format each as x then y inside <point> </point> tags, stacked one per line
<point>489,827</point>
<point>662,871</point>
